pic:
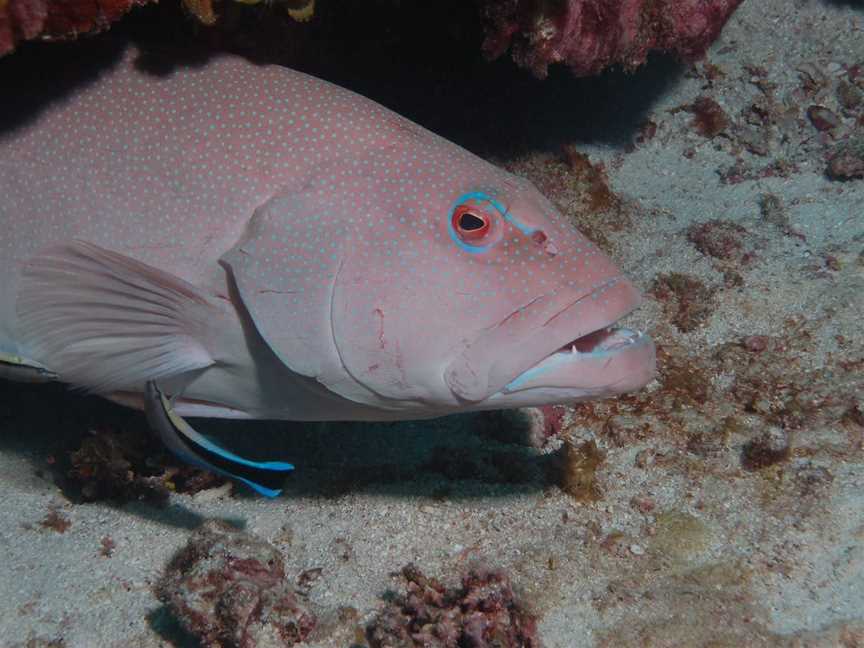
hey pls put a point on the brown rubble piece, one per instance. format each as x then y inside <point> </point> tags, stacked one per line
<point>56,521</point>
<point>720,239</point>
<point>770,447</point>
<point>822,118</point>
<point>709,118</point>
<point>846,162</point>
<point>687,301</point>
<point>575,470</point>
<point>130,465</point>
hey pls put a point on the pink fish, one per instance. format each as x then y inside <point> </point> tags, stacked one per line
<point>259,243</point>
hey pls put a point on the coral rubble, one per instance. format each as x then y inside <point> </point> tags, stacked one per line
<point>575,470</point>
<point>228,588</point>
<point>483,613</point>
<point>590,35</point>
<point>128,465</point>
<point>847,161</point>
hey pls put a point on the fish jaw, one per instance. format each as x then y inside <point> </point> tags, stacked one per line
<point>618,360</point>
<point>563,344</point>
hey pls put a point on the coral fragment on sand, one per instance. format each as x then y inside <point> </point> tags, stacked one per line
<point>228,589</point>
<point>576,470</point>
<point>56,521</point>
<point>769,448</point>
<point>847,161</point>
<point>686,300</point>
<point>822,118</point>
<point>717,238</point>
<point>482,613</point>
<point>709,118</point>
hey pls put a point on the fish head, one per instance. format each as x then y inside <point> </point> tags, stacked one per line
<point>472,291</point>
<point>419,280</point>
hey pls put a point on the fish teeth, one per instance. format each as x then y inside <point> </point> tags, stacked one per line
<point>573,350</point>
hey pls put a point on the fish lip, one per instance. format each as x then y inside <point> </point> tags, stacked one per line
<point>607,345</point>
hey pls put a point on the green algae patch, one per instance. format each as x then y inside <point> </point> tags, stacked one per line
<point>679,537</point>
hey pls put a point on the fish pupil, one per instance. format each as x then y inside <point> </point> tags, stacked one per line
<point>469,222</point>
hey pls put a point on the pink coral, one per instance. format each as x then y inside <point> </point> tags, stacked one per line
<point>483,613</point>
<point>590,35</point>
<point>228,588</point>
<point>22,20</point>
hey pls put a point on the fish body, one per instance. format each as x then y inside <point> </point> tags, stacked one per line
<point>268,245</point>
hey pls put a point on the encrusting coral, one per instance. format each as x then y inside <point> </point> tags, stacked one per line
<point>586,35</point>
<point>591,35</point>
<point>228,589</point>
<point>482,613</point>
<point>23,20</point>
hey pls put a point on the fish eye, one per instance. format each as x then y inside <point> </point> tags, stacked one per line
<point>476,222</point>
<point>470,223</point>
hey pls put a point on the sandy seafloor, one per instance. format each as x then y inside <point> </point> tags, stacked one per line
<point>690,543</point>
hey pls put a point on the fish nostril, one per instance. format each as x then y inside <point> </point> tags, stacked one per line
<point>540,238</point>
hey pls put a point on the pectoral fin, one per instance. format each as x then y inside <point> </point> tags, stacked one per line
<point>263,477</point>
<point>104,321</point>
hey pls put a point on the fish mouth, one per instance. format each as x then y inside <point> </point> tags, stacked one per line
<point>606,360</point>
<point>611,360</point>
<point>564,350</point>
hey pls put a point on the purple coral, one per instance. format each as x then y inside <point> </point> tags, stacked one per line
<point>228,588</point>
<point>483,613</point>
<point>591,35</point>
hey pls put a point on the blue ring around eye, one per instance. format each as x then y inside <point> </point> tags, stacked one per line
<point>505,214</point>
